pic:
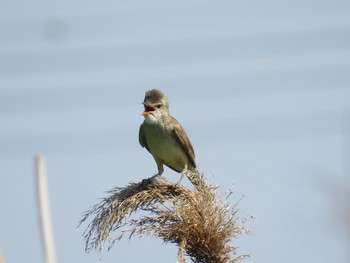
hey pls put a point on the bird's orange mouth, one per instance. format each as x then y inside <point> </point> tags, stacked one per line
<point>148,109</point>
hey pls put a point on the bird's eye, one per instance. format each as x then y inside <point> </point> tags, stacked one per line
<point>158,106</point>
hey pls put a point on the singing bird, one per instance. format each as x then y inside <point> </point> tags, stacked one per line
<point>164,137</point>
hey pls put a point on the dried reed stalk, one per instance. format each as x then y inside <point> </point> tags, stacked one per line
<point>197,221</point>
<point>44,210</point>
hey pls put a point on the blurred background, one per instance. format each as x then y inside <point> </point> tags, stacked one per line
<point>261,87</point>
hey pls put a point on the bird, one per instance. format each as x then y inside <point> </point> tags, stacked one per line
<point>164,137</point>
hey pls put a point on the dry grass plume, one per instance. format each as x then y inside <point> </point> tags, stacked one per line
<point>198,221</point>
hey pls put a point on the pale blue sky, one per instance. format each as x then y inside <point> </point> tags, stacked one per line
<point>262,89</point>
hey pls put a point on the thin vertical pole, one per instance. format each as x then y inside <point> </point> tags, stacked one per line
<point>44,210</point>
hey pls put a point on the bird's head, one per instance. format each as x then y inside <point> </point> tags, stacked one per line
<point>156,105</point>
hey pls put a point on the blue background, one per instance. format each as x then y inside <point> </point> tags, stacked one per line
<point>261,87</point>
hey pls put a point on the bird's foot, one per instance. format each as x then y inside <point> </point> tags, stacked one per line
<point>178,184</point>
<point>146,182</point>
<point>154,177</point>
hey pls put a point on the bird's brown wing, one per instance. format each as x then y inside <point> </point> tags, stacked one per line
<point>142,139</point>
<point>184,141</point>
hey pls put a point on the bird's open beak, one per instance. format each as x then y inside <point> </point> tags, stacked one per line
<point>148,109</point>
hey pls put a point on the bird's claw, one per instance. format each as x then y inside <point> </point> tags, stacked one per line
<point>177,185</point>
<point>146,182</point>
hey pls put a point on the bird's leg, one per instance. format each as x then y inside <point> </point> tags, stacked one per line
<point>178,183</point>
<point>160,169</point>
<point>182,176</point>
<point>149,180</point>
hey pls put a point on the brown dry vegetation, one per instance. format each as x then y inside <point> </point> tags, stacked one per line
<point>197,220</point>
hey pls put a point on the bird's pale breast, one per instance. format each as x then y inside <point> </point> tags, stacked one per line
<point>166,148</point>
